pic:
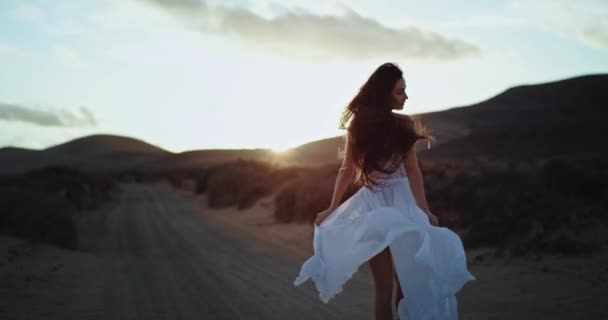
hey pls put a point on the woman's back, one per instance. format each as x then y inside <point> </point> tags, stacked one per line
<point>399,172</point>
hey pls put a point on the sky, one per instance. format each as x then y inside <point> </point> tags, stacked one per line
<point>204,74</point>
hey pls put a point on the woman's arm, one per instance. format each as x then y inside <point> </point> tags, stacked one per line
<point>345,175</point>
<point>343,180</point>
<point>416,183</point>
<point>415,177</point>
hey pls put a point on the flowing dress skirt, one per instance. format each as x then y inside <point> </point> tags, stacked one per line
<point>429,261</point>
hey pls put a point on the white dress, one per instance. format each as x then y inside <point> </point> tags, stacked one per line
<point>430,261</point>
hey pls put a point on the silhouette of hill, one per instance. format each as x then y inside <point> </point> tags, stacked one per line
<point>105,144</point>
<point>204,158</point>
<point>90,153</point>
<point>317,152</point>
<point>556,119</point>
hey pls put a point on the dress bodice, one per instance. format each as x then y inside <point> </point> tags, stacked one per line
<point>399,173</point>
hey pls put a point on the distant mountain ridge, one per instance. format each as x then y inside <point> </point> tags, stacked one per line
<point>103,144</point>
<point>563,118</point>
<point>101,152</point>
<point>555,119</point>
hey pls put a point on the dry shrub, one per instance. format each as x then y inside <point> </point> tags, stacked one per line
<point>242,183</point>
<point>303,198</point>
<point>522,208</point>
<point>517,207</point>
<point>40,205</point>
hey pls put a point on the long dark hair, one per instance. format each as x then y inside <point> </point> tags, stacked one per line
<point>376,135</point>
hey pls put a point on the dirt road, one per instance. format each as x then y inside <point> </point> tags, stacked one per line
<point>151,256</point>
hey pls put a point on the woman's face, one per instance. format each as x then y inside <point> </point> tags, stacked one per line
<point>398,94</point>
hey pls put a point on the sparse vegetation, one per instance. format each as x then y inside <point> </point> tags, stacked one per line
<point>242,183</point>
<point>551,206</point>
<point>40,204</point>
<point>302,198</point>
<point>518,207</point>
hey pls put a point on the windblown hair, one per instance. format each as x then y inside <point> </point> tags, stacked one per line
<point>376,135</point>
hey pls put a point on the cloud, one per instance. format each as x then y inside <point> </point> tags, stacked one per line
<point>307,35</point>
<point>27,12</point>
<point>485,21</point>
<point>58,118</point>
<point>179,5</point>
<point>586,22</point>
<point>595,31</point>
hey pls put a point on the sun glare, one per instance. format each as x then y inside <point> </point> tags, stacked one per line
<point>280,151</point>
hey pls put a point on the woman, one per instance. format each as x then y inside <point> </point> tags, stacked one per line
<point>387,222</point>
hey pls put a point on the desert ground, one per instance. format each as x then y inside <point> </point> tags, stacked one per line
<point>160,253</point>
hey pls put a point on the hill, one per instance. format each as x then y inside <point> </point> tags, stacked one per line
<point>98,153</point>
<point>557,119</point>
<point>560,119</point>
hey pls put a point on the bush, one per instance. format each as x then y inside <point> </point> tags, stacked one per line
<point>303,198</point>
<point>519,209</point>
<point>40,205</point>
<point>242,183</point>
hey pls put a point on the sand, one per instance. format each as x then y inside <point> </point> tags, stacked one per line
<point>539,287</point>
<point>150,255</point>
<point>155,253</point>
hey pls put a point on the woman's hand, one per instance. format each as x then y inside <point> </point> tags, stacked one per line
<point>432,218</point>
<point>322,215</point>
